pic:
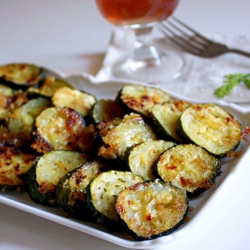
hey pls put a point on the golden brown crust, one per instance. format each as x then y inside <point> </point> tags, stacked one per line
<point>14,165</point>
<point>61,129</point>
<point>131,131</point>
<point>141,99</point>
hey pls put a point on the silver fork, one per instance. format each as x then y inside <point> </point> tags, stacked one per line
<point>192,41</point>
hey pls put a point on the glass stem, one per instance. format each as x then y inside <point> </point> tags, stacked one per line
<point>144,52</point>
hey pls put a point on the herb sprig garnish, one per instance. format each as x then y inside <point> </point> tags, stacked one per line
<point>231,81</point>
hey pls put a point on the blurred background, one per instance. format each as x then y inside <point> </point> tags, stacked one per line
<point>73,37</point>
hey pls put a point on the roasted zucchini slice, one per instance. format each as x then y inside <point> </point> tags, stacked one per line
<point>105,110</point>
<point>17,100</point>
<point>9,100</point>
<point>48,87</point>
<point>6,96</point>
<point>189,167</point>
<point>166,116</point>
<point>102,193</point>
<point>142,158</point>
<point>43,178</point>
<point>4,106</point>
<point>75,99</point>
<point>131,131</point>
<point>102,128</point>
<point>21,75</point>
<point>21,120</point>
<point>3,114</point>
<point>58,128</point>
<point>10,140</point>
<point>211,127</point>
<point>6,91</point>
<point>72,189</point>
<point>14,165</point>
<point>140,99</point>
<point>152,209</point>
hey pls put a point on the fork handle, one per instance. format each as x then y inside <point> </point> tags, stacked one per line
<point>240,52</point>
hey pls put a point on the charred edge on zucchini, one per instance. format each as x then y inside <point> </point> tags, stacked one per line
<point>165,118</point>
<point>43,178</point>
<point>72,189</point>
<point>105,110</point>
<point>152,209</point>
<point>102,129</point>
<point>14,165</point>
<point>6,97</point>
<point>141,159</point>
<point>21,75</point>
<point>140,99</point>
<point>130,131</point>
<point>85,142</point>
<point>9,103</point>
<point>211,127</point>
<point>59,129</point>
<point>9,139</point>
<point>189,167</point>
<point>74,99</point>
<point>102,193</point>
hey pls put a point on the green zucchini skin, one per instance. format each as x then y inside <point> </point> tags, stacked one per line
<point>140,99</point>
<point>43,178</point>
<point>130,131</point>
<point>152,209</point>
<point>142,158</point>
<point>72,189</point>
<point>14,166</point>
<point>21,75</point>
<point>189,167</point>
<point>210,127</point>
<point>102,193</point>
<point>105,110</point>
<point>32,187</point>
<point>165,117</point>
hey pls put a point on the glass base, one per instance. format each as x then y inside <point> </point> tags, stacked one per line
<point>170,65</point>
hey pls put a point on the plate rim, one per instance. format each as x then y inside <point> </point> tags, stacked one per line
<point>81,226</point>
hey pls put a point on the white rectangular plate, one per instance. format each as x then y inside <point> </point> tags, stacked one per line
<point>108,90</point>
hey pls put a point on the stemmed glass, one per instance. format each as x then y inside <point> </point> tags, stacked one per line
<point>147,62</point>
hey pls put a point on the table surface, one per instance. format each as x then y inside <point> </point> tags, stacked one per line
<point>72,37</point>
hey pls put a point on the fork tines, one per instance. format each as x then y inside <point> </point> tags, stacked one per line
<point>183,35</point>
<point>194,42</point>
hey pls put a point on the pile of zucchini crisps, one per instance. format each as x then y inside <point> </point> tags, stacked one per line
<point>130,164</point>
